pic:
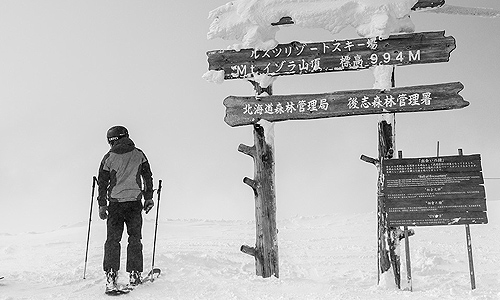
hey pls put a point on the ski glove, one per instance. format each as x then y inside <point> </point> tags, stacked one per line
<point>148,204</point>
<point>103,212</point>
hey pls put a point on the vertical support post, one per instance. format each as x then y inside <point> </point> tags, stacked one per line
<point>263,185</point>
<point>385,146</point>
<point>471,262</point>
<point>469,248</point>
<point>408,261</point>
<point>407,247</point>
<point>387,239</point>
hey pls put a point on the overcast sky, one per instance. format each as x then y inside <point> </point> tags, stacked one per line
<point>69,70</point>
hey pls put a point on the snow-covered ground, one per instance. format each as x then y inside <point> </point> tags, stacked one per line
<point>322,257</point>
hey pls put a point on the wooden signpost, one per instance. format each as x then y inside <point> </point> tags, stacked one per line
<point>249,110</point>
<point>411,192</point>
<point>333,56</point>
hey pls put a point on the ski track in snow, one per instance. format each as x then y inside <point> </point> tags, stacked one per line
<point>322,257</point>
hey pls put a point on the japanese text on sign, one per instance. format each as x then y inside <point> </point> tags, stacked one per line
<point>332,56</point>
<point>289,107</point>
<point>283,58</point>
<point>431,180</point>
<point>389,101</point>
<point>322,104</point>
<point>296,49</point>
<point>429,165</point>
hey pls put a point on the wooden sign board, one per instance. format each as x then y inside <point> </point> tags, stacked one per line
<point>436,179</point>
<point>431,191</point>
<point>333,56</point>
<point>450,164</point>
<point>437,218</point>
<point>249,110</point>
<point>450,205</point>
<point>434,193</point>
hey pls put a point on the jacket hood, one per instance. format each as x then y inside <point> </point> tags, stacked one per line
<point>123,145</point>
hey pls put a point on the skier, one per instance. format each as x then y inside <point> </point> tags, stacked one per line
<point>124,179</point>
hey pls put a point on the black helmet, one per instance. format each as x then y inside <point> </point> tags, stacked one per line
<point>115,133</point>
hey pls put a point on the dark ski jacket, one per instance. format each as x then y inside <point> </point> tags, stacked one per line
<point>123,172</point>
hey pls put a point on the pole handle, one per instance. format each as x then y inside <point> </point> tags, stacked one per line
<point>159,189</point>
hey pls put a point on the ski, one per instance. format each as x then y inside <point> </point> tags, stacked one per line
<point>152,275</point>
<point>125,289</point>
<point>118,291</point>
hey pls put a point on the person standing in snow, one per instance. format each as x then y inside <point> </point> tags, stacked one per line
<point>124,179</point>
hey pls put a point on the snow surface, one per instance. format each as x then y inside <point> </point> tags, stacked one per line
<point>321,257</point>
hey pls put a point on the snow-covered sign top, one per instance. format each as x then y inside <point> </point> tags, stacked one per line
<point>249,21</point>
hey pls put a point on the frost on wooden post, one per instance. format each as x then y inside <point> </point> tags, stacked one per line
<point>383,77</point>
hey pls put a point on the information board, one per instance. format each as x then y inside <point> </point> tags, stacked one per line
<point>430,191</point>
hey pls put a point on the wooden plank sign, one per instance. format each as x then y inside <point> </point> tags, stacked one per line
<point>437,218</point>
<point>450,164</point>
<point>437,179</point>
<point>333,56</point>
<point>427,206</point>
<point>431,191</point>
<point>249,110</point>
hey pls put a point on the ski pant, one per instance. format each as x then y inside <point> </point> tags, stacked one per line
<point>120,214</point>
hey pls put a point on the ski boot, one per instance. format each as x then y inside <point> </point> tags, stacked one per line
<point>135,278</point>
<point>111,285</point>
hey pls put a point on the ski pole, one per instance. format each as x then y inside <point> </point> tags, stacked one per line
<point>158,192</point>
<point>94,180</point>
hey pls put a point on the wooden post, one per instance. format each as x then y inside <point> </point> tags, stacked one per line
<point>407,247</point>
<point>263,185</point>
<point>387,237</point>
<point>469,248</point>
<point>385,137</point>
<point>408,261</point>
<point>471,262</point>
